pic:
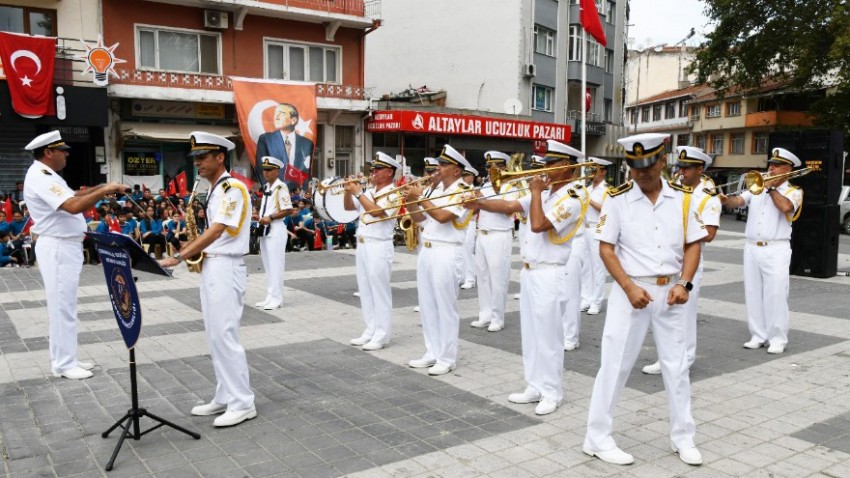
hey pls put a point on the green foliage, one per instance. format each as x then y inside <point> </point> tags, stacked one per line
<point>805,41</point>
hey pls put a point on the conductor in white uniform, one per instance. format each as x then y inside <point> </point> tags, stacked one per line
<point>275,206</point>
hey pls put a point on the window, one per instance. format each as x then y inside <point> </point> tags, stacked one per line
<point>575,43</point>
<point>736,143</point>
<point>656,112</point>
<point>542,97</point>
<point>302,62</point>
<point>670,110</point>
<point>544,40</point>
<point>712,111</point>
<point>760,143</point>
<point>609,12</point>
<point>183,51</point>
<point>717,144</point>
<point>32,21</point>
<point>633,114</point>
<point>682,139</point>
<point>644,114</point>
<point>733,109</point>
<point>695,111</point>
<point>600,6</point>
<point>594,50</point>
<point>609,110</point>
<point>683,108</point>
<point>700,141</point>
<point>609,61</point>
<point>344,139</point>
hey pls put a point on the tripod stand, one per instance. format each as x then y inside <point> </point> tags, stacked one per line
<point>134,414</point>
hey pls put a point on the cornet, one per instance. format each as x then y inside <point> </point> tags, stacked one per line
<point>337,187</point>
<point>754,182</point>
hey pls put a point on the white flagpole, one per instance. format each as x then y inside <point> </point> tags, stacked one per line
<point>583,90</point>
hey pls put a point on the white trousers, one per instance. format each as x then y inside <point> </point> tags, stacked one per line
<point>541,306</point>
<point>60,262</point>
<point>622,339</point>
<point>593,276</point>
<point>572,313</point>
<point>468,258</point>
<point>437,275</point>
<point>493,268</point>
<point>223,282</point>
<point>273,252</point>
<point>374,267</point>
<point>766,283</point>
<point>691,316</point>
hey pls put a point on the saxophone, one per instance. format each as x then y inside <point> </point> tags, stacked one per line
<point>195,264</point>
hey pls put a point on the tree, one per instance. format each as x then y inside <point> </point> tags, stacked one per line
<point>804,41</point>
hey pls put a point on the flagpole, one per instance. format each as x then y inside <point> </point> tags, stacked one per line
<point>583,91</point>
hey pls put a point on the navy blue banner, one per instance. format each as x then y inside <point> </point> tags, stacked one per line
<point>122,291</point>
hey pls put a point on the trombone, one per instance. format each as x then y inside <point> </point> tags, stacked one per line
<point>322,188</point>
<point>498,178</point>
<point>400,187</point>
<point>754,182</point>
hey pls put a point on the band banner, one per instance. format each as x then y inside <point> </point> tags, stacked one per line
<point>116,264</point>
<point>279,119</point>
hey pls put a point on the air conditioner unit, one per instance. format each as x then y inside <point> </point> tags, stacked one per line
<point>215,19</point>
<point>530,70</point>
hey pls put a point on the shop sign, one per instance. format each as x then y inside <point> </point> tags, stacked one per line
<point>465,125</point>
<point>594,128</point>
<point>141,164</point>
<point>177,109</point>
<point>74,134</point>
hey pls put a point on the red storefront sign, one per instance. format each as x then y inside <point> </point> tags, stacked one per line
<point>465,125</point>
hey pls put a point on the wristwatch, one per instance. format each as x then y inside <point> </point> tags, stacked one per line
<point>687,285</point>
<point>772,188</point>
<point>178,257</point>
<point>357,196</point>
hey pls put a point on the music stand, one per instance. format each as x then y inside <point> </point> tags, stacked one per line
<point>118,254</point>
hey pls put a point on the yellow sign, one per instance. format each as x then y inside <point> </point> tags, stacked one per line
<point>209,111</point>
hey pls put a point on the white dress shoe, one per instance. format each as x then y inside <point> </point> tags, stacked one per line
<point>524,397</point>
<point>373,346</point>
<point>85,365</point>
<point>356,294</point>
<point>75,373</point>
<point>516,296</point>
<point>776,348</point>
<point>585,306</point>
<point>421,363</point>
<point>546,406</point>
<point>593,310</point>
<point>261,304</point>
<point>235,417</point>
<point>615,456</point>
<point>467,285</point>
<point>753,344</point>
<point>360,341</point>
<point>416,308</point>
<point>271,306</point>
<point>207,409</point>
<point>691,456</point>
<point>654,369</point>
<point>569,345</point>
<point>495,327</point>
<point>438,369</point>
<point>479,324</point>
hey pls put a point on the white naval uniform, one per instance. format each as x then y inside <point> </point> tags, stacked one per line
<point>593,277</point>
<point>575,266</point>
<point>493,261</point>
<point>374,267</point>
<point>437,275</point>
<point>59,250</point>
<point>223,282</point>
<point>273,245</point>
<point>650,242</point>
<point>468,256</point>
<point>767,257</point>
<point>542,302</point>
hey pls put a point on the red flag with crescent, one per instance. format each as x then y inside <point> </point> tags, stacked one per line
<point>591,23</point>
<point>28,63</point>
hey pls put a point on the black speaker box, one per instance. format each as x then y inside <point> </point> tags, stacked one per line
<point>821,150</point>
<point>814,241</point>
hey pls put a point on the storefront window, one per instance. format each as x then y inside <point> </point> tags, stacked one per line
<point>33,21</point>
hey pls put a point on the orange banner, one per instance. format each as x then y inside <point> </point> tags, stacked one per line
<point>279,119</point>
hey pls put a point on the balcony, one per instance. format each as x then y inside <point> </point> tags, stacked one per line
<point>779,118</point>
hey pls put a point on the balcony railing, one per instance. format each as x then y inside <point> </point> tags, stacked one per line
<point>130,76</point>
<point>348,7</point>
<point>779,118</point>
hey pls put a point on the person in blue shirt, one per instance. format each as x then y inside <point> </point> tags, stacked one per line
<point>4,226</point>
<point>6,250</point>
<point>137,194</point>
<point>103,225</point>
<point>151,230</point>
<point>16,227</point>
<point>128,224</point>
<point>176,227</point>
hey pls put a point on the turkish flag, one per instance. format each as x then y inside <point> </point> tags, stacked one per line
<point>7,208</point>
<point>247,182</point>
<point>591,23</point>
<point>182,184</point>
<point>28,64</point>
<point>171,189</point>
<point>295,175</point>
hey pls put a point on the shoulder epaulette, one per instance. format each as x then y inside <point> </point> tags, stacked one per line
<point>613,192</point>
<point>679,187</point>
<point>573,193</point>
<point>464,186</point>
<point>47,172</point>
<point>711,191</point>
<point>707,179</point>
<point>225,186</point>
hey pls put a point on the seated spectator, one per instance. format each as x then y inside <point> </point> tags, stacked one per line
<point>136,195</point>
<point>291,221</point>
<point>6,249</point>
<point>151,230</point>
<point>4,223</point>
<point>129,226</point>
<point>201,220</point>
<point>176,230</point>
<point>108,222</point>
<point>306,232</point>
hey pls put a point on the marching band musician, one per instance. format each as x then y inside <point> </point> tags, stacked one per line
<point>575,266</point>
<point>438,266</point>
<point>536,162</point>
<point>375,251</point>
<point>692,163</point>
<point>649,233</point>
<point>767,254</point>
<point>493,255</point>
<point>468,264</point>
<point>432,167</point>
<point>553,211</point>
<point>593,277</point>
<point>223,279</point>
<point>275,206</point>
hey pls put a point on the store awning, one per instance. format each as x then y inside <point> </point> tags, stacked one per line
<point>172,131</point>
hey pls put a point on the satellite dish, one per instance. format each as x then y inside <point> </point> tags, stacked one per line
<point>513,106</point>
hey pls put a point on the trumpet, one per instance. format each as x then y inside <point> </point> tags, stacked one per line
<point>399,188</point>
<point>754,182</point>
<point>338,186</point>
<point>498,178</point>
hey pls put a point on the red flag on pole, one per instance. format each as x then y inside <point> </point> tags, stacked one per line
<point>295,175</point>
<point>28,65</point>
<point>171,190</point>
<point>591,23</point>
<point>182,184</point>
<point>247,182</point>
<point>7,208</point>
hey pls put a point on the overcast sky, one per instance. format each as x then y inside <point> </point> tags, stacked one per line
<point>665,21</point>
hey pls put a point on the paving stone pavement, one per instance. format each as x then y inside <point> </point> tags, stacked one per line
<point>327,409</point>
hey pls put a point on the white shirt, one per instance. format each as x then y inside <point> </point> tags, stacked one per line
<point>383,230</point>
<point>451,231</point>
<point>764,221</point>
<point>275,199</point>
<point>583,196</point>
<point>44,192</point>
<point>708,206</point>
<point>496,221</point>
<point>650,237</point>
<point>228,204</point>
<point>563,211</point>
<point>597,195</point>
